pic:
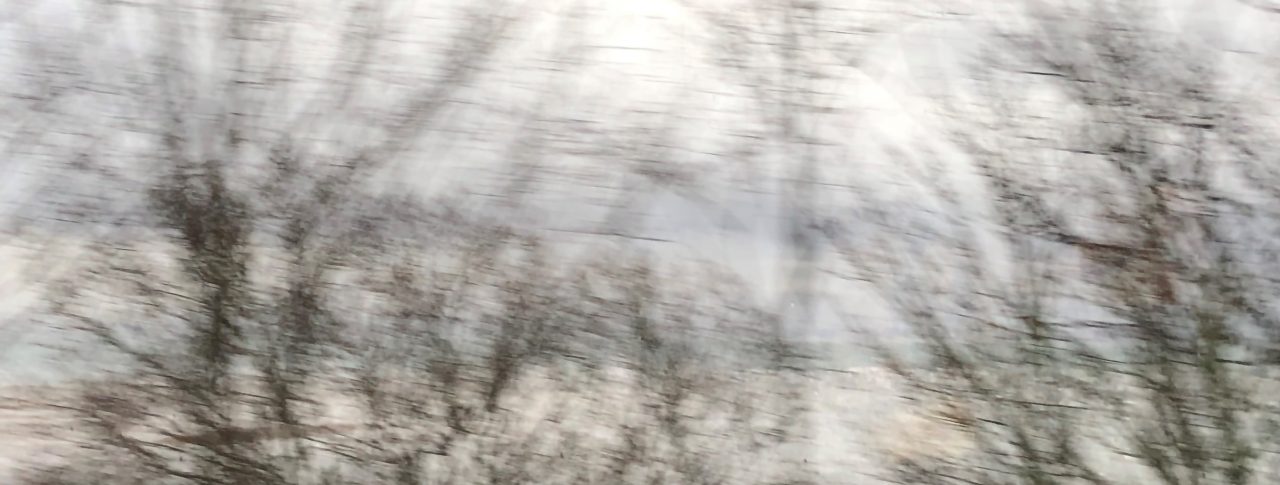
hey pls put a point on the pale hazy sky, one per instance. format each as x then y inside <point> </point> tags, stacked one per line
<point>642,65</point>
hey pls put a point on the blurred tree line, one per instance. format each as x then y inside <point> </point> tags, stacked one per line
<point>262,301</point>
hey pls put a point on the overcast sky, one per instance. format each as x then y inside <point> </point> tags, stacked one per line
<point>597,83</point>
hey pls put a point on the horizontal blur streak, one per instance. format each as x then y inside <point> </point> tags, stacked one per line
<point>665,241</point>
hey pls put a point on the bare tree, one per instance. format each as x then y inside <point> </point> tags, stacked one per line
<point>1116,316</point>
<point>267,313</point>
